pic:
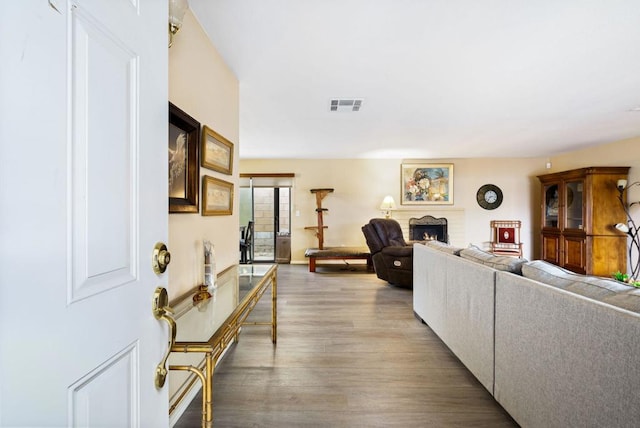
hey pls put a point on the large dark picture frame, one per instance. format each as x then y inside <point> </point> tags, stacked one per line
<point>184,142</point>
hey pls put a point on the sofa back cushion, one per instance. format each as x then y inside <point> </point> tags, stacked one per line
<point>629,300</point>
<point>598,288</point>
<point>442,246</point>
<point>550,274</point>
<point>606,290</point>
<point>504,263</point>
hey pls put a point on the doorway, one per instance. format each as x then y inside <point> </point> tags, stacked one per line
<point>269,208</point>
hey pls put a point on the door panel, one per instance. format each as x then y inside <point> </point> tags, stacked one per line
<point>103,145</point>
<point>83,197</point>
<point>92,400</point>
<point>551,248</point>
<point>574,254</point>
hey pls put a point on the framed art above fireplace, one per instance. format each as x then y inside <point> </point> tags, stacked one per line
<point>427,184</point>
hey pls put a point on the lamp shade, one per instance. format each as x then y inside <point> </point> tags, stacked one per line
<point>388,203</point>
<point>622,227</point>
<point>177,9</point>
<point>622,184</point>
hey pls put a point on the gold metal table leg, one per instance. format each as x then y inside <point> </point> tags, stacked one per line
<point>274,308</point>
<point>208,392</point>
<point>199,373</point>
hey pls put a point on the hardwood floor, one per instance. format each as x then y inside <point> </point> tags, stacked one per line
<point>350,353</point>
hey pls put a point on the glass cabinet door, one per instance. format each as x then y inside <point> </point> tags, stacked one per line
<point>575,206</point>
<point>551,205</point>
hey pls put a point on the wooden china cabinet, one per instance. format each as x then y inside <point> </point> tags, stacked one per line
<point>579,210</point>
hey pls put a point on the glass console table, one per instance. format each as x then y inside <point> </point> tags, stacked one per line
<point>209,323</point>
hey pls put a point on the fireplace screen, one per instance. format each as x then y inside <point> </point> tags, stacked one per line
<point>428,228</point>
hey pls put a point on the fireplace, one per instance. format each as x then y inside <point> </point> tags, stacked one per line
<point>428,228</point>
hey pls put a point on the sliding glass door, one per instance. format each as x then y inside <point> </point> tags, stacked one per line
<point>268,209</point>
<point>264,209</point>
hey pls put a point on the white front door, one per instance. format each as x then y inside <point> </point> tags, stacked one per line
<point>83,200</point>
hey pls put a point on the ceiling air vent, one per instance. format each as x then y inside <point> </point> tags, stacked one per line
<point>343,104</point>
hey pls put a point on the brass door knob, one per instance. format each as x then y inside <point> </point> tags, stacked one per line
<point>161,258</point>
<point>162,311</point>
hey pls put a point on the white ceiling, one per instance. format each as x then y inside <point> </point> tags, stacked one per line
<point>439,78</point>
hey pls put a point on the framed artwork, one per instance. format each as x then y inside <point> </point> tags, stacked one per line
<point>216,151</point>
<point>184,138</point>
<point>217,196</point>
<point>427,184</point>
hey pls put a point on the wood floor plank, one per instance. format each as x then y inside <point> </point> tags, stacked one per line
<point>345,377</point>
<point>350,353</point>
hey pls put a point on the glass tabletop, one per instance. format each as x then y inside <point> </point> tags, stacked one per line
<point>198,321</point>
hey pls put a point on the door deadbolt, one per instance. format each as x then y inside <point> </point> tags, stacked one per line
<point>161,258</point>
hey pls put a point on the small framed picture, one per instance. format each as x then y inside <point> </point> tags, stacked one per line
<point>216,151</point>
<point>217,196</point>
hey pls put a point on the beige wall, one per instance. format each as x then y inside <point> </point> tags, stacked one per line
<point>619,153</point>
<point>360,185</point>
<point>202,85</point>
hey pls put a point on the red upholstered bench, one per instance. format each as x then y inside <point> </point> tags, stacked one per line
<point>338,253</point>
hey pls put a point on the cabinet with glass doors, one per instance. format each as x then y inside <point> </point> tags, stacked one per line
<point>579,209</point>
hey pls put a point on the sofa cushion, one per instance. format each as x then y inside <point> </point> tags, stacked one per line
<point>505,263</point>
<point>629,300</point>
<point>550,274</point>
<point>442,246</point>
<point>594,287</point>
<point>598,288</point>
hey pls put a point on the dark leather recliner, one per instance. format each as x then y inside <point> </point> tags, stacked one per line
<point>392,256</point>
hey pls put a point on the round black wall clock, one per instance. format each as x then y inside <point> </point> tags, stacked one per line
<point>489,197</point>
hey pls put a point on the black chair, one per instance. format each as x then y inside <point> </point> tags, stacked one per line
<point>392,256</point>
<point>246,242</point>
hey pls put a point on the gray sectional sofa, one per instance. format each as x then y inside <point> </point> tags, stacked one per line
<point>554,348</point>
